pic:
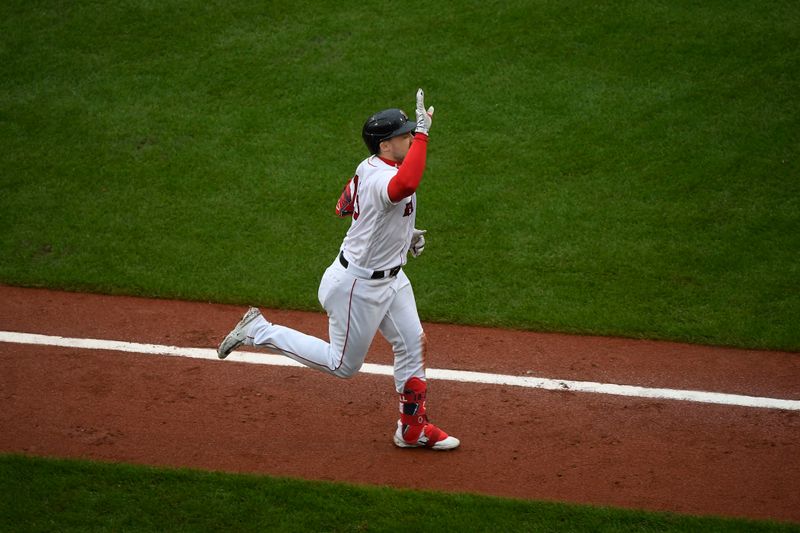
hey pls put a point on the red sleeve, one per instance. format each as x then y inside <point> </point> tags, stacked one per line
<point>407,179</point>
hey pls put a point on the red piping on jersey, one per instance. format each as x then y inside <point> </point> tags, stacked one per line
<point>346,336</point>
<point>285,351</point>
<point>347,333</point>
<point>407,179</point>
<point>389,162</point>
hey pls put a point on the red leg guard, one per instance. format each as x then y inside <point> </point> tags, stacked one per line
<point>413,409</point>
<point>413,415</point>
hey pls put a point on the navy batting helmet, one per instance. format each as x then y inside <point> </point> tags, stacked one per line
<point>384,125</point>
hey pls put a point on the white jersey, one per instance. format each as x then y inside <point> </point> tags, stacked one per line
<point>380,232</point>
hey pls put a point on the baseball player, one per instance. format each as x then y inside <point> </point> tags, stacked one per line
<point>365,290</point>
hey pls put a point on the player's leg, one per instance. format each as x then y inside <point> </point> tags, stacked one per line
<point>355,307</point>
<point>304,348</point>
<point>402,328</point>
<point>353,316</point>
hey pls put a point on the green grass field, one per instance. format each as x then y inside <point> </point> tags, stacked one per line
<point>622,168</point>
<point>615,168</point>
<point>48,495</point>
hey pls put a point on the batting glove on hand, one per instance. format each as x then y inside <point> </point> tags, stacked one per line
<point>423,117</point>
<point>417,242</point>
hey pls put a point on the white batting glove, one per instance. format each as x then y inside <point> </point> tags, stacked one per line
<point>423,117</point>
<point>417,241</point>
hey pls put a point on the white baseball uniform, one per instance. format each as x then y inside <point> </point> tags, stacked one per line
<point>364,290</point>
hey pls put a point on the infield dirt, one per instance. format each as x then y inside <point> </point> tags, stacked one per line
<point>565,446</point>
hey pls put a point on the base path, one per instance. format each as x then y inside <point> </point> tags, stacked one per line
<point>567,446</point>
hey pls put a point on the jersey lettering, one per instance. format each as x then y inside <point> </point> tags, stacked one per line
<point>409,209</point>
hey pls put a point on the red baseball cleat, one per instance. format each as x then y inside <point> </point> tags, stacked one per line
<point>430,437</point>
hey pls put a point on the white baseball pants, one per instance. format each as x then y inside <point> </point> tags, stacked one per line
<point>357,308</point>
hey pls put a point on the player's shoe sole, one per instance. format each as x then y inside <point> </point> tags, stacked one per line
<point>449,443</point>
<point>238,334</point>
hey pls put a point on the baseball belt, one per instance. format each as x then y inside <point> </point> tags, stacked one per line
<point>376,274</point>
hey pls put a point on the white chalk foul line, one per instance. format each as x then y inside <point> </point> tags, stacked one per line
<point>433,373</point>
